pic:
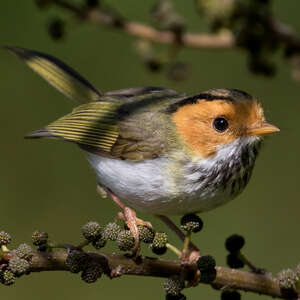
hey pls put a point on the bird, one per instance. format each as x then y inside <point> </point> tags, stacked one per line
<point>153,149</point>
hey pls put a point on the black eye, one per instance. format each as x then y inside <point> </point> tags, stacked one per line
<point>220,124</point>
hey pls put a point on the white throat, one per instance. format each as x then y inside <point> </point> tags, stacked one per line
<point>225,175</point>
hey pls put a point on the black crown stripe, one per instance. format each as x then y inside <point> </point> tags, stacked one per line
<point>194,99</point>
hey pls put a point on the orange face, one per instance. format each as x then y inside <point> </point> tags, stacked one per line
<point>208,124</point>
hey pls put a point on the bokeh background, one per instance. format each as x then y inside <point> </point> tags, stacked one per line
<point>48,185</point>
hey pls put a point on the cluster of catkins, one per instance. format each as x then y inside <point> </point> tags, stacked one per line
<point>80,261</point>
<point>13,263</point>
<point>98,236</point>
<point>16,263</point>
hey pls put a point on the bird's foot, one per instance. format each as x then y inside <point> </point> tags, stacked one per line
<point>179,233</point>
<point>132,222</point>
<point>186,260</point>
<point>190,253</point>
<point>190,257</point>
<point>139,222</point>
<point>129,216</point>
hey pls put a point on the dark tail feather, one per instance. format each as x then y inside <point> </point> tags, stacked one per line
<point>58,74</point>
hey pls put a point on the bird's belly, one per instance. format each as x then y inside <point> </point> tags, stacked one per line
<point>140,185</point>
<point>150,187</point>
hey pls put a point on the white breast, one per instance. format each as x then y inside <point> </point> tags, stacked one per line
<point>167,186</point>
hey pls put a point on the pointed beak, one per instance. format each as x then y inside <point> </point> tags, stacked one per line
<point>263,129</point>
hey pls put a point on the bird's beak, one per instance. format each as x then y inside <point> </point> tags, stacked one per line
<point>263,129</point>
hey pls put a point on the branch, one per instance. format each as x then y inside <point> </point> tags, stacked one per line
<point>285,32</point>
<point>191,40</point>
<point>117,265</point>
<point>240,28</point>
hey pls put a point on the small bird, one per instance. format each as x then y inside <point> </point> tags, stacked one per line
<point>156,150</point>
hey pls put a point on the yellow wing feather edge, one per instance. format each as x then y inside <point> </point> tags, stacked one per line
<point>92,124</point>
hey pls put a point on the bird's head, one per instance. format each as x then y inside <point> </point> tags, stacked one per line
<point>218,117</point>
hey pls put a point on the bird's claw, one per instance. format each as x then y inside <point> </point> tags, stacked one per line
<point>132,222</point>
<point>193,256</point>
<point>186,260</point>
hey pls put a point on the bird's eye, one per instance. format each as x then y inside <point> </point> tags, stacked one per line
<point>220,124</point>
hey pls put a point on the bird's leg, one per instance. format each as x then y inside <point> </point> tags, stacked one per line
<point>177,231</point>
<point>128,215</point>
<point>194,252</point>
<point>190,252</point>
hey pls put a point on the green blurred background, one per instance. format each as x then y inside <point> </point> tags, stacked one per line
<point>48,185</point>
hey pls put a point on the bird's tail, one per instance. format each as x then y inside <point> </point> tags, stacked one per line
<point>58,74</point>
